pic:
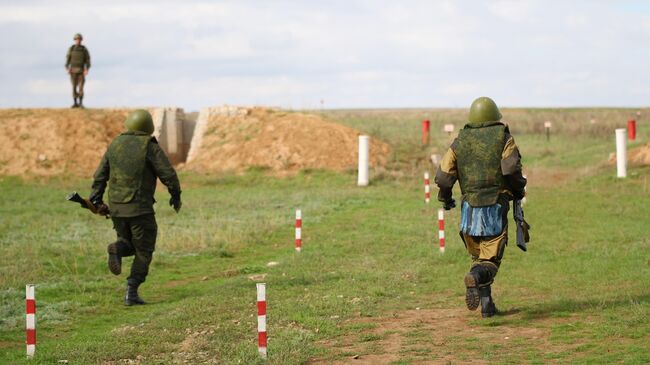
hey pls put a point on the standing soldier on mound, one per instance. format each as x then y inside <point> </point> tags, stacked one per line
<point>130,166</point>
<point>487,164</point>
<point>77,62</point>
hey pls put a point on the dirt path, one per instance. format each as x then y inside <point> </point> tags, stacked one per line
<point>425,336</point>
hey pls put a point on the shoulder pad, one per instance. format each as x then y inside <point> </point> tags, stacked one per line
<point>454,144</point>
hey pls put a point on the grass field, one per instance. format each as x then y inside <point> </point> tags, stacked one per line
<point>369,283</point>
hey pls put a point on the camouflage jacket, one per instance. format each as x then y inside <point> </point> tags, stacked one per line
<point>487,163</point>
<point>130,167</point>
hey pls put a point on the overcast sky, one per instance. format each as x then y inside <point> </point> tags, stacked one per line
<point>347,53</point>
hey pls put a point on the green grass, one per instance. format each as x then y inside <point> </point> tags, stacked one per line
<point>367,253</point>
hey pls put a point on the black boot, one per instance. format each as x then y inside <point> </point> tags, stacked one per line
<point>81,102</point>
<point>75,105</point>
<point>472,280</point>
<point>114,259</point>
<point>478,276</point>
<point>488,308</point>
<point>132,297</point>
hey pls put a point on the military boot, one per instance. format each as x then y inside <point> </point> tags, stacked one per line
<point>75,105</point>
<point>114,259</point>
<point>472,280</point>
<point>488,308</point>
<point>81,102</point>
<point>478,276</point>
<point>132,297</point>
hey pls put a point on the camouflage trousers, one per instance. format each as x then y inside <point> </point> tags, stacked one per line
<point>488,251</point>
<point>78,80</point>
<point>136,236</point>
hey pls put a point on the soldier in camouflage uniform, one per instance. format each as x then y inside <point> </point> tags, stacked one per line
<point>487,164</point>
<point>77,62</point>
<point>130,166</point>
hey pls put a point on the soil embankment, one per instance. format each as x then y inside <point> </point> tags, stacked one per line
<point>234,139</point>
<point>56,142</point>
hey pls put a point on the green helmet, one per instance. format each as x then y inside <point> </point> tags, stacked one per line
<point>78,35</point>
<point>484,109</point>
<point>139,121</point>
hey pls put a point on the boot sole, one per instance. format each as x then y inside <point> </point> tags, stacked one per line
<point>114,264</point>
<point>472,297</point>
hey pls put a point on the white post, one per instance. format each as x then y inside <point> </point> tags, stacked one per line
<point>364,155</point>
<point>621,152</point>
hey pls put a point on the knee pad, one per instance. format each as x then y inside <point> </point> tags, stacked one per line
<point>485,271</point>
<point>124,248</point>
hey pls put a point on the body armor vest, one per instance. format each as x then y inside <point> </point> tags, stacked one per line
<point>478,150</point>
<point>77,56</point>
<point>127,158</point>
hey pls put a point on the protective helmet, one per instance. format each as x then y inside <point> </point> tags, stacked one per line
<point>78,35</point>
<point>139,121</point>
<point>484,109</point>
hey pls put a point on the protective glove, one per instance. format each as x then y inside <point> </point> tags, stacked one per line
<point>449,204</point>
<point>175,202</point>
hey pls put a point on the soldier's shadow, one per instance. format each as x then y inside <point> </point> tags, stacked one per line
<point>509,312</point>
<point>566,307</point>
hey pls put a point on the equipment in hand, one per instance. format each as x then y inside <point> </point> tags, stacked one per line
<point>522,226</point>
<point>99,209</point>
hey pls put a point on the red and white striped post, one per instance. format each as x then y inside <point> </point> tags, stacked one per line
<point>298,230</point>
<point>261,319</point>
<point>441,229</point>
<point>427,188</point>
<point>30,320</point>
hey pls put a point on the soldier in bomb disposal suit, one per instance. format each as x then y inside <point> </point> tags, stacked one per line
<point>130,167</point>
<point>77,62</point>
<point>485,161</point>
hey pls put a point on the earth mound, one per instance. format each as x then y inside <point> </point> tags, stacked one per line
<point>58,142</point>
<point>49,142</point>
<point>234,139</point>
<point>639,156</point>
